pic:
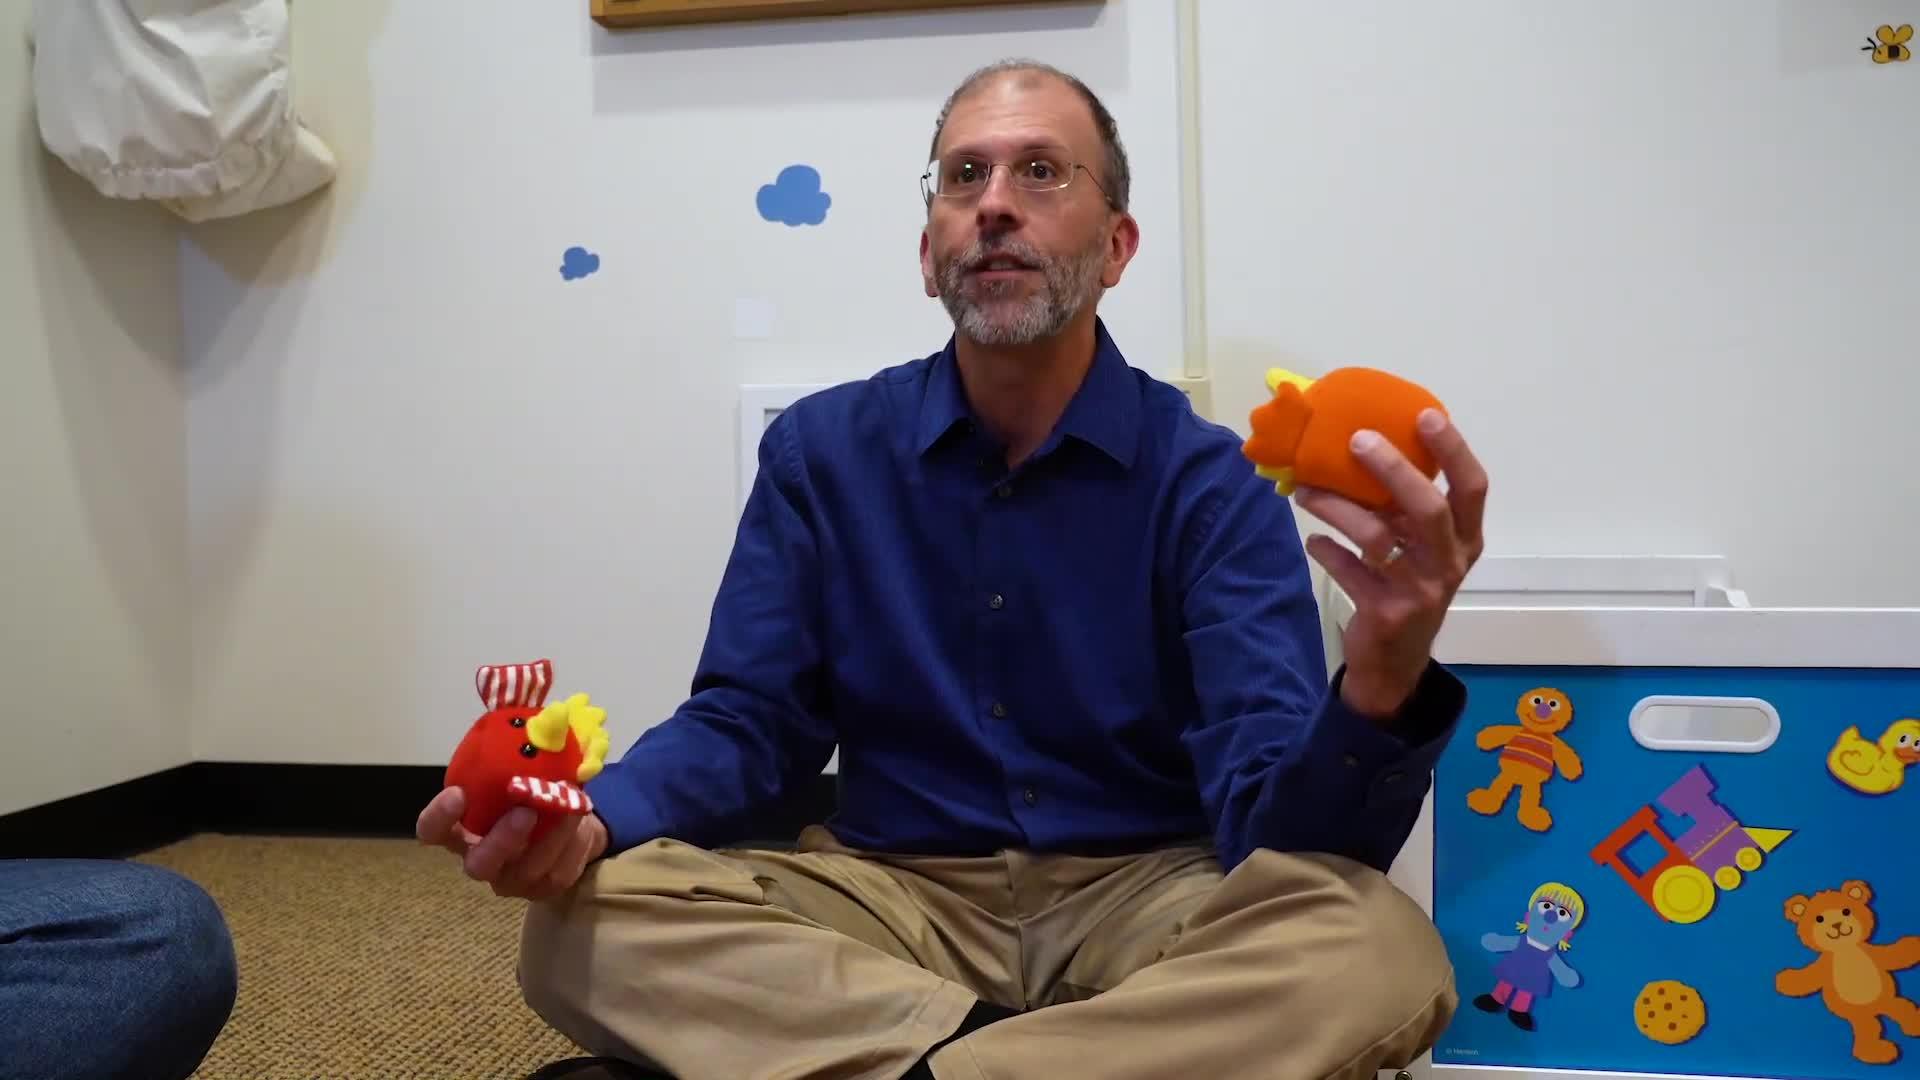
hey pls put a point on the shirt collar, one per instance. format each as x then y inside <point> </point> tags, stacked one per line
<point>1104,412</point>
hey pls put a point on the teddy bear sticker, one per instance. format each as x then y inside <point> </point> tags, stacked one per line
<point>1853,976</point>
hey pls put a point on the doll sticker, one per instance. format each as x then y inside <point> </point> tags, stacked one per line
<point>1530,752</point>
<point>1531,963</point>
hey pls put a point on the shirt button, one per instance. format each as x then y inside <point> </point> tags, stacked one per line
<point>999,709</point>
<point>1352,761</point>
<point>1030,797</point>
<point>997,602</point>
<point>1004,490</point>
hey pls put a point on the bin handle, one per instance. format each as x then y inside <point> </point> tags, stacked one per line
<point>1688,722</point>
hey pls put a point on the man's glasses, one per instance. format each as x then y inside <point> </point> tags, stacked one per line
<point>965,176</point>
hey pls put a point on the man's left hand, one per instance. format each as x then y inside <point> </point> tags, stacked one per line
<point>1412,559</point>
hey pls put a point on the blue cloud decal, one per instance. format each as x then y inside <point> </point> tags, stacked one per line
<point>795,197</point>
<point>578,262</point>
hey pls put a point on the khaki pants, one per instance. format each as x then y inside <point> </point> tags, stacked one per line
<point>828,962</point>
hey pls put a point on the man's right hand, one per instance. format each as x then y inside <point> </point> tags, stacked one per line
<point>503,858</point>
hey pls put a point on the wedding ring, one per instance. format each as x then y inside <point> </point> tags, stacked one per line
<point>1394,553</point>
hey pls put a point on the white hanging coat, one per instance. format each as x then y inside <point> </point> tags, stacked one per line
<point>185,102</point>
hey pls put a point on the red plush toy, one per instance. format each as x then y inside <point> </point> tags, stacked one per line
<point>524,752</point>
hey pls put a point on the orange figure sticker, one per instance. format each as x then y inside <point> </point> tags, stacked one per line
<point>1530,752</point>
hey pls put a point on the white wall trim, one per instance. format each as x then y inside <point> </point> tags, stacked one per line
<point>1193,262</point>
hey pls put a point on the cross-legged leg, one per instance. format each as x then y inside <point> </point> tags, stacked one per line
<point>1296,966</point>
<point>741,965</point>
<point>109,970</point>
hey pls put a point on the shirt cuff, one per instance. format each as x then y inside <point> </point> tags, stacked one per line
<point>622,804</point>
<point>1410,740</point>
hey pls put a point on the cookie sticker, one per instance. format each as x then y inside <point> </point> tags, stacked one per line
<point>1669,1011</point>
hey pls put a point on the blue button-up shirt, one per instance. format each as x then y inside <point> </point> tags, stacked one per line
<point>1111,646</point>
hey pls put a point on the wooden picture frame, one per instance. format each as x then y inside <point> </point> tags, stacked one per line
<point>642,14</point>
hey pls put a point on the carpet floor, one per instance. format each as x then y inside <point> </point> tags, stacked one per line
<point>364,959</point>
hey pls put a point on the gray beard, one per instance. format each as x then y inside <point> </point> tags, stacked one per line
<point>991,316</point>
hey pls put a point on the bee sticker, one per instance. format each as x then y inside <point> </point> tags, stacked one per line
<point>1891,44</point>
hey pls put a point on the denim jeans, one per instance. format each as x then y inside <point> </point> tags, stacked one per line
<point>108,970</point>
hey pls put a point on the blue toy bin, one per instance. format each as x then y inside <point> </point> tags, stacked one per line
<point>1678,842</point>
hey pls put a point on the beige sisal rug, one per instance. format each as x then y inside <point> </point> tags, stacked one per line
<point>364,959</point>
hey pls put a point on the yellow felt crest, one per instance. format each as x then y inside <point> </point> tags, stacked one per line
<point>1277,376</point>
<point>587,721</point>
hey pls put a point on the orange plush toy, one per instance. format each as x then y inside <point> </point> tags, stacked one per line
<point>1301,436</point>
<point>524,752</point>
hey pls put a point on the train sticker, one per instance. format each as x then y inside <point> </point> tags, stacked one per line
<point>1714,855</point>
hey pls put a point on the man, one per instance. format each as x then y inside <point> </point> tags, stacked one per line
<point>1102,813</point>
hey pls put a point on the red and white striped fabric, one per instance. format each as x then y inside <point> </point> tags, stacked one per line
<point>549,795</point>
<point>504,685</point>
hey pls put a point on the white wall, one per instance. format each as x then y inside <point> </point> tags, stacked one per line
<point>414,448</point>
<point>1691,225</point>
<point>93,555</point>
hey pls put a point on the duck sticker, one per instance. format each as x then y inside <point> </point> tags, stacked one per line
<point>1716,852</point>
<point>1853,976</point>
<point>1530,752</point>
<point>1875,768</point>
<point>1889,45</point>
<point>1530,962</point>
